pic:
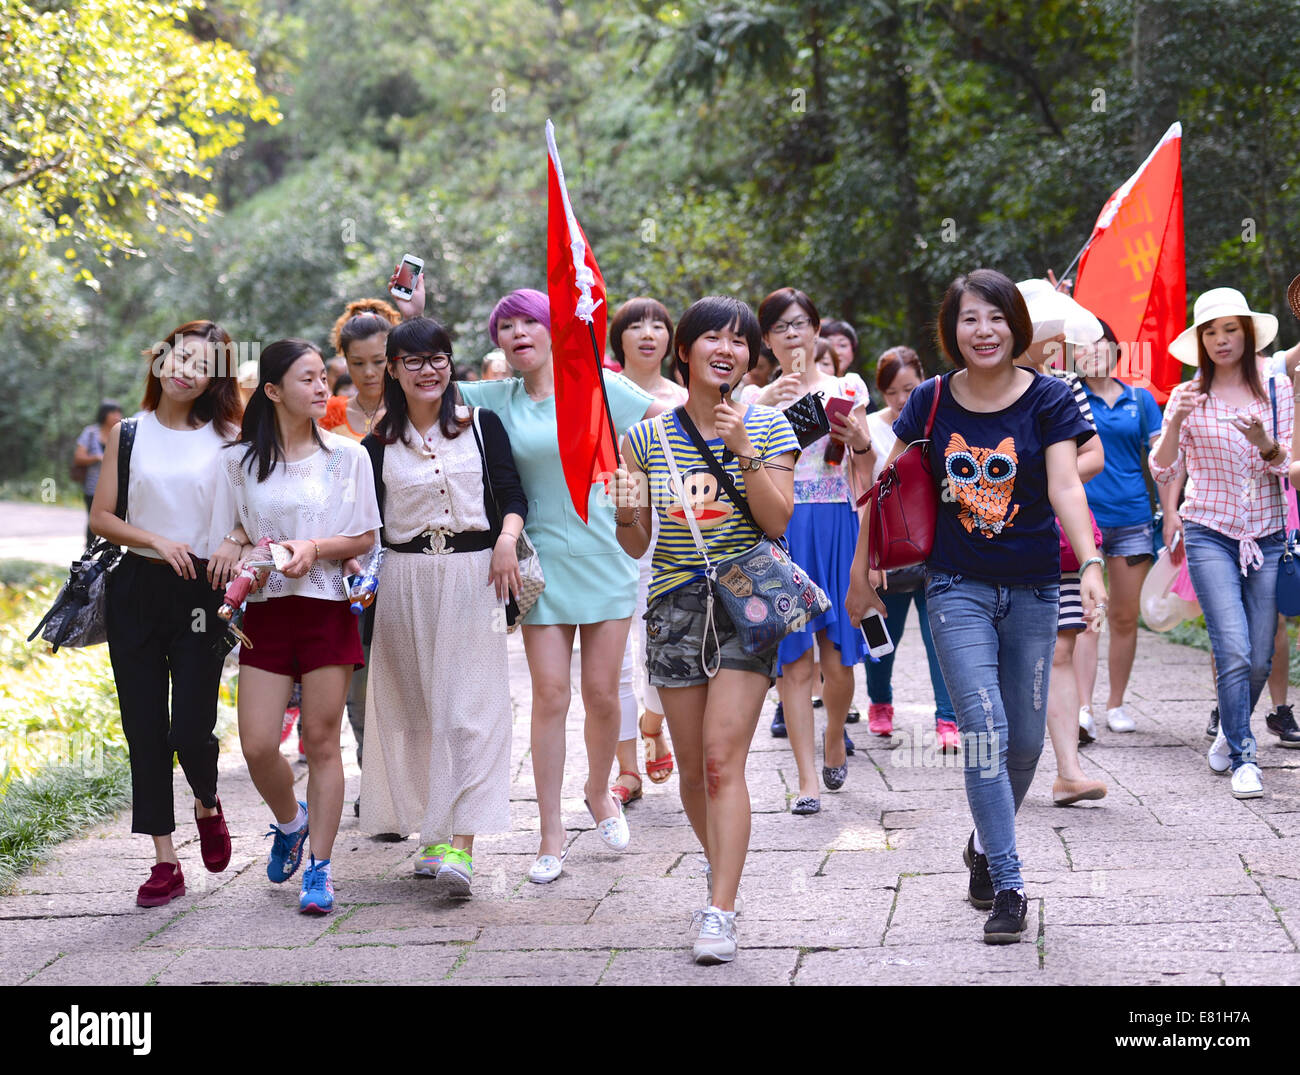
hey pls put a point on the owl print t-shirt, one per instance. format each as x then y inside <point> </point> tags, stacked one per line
<point>995,521</point>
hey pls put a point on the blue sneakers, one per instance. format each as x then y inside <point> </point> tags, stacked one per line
<point>317,889</point>
<point>286,852</point>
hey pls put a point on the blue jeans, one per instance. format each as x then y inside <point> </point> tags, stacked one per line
<point>995,645</point>
<point>1241,618</point>
<point>880,674</point>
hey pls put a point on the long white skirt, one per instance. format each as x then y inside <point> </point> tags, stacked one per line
<point>438,706</point>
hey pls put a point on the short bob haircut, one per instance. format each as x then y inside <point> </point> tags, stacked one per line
<point>772,307</point>
<point>832,327</point>
<point>526,302</point>
<point>996,289</point>
<point>627,315</point>
<point>107,407</point>
<point>892,362</point>
<point>710,314</point>
<point>418,336</point>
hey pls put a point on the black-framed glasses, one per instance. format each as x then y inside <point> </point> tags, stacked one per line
<point>798,324</point>
<point>415,363</point>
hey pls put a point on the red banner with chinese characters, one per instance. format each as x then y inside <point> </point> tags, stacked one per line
<point>1132,274</point>
<point>577,293</point>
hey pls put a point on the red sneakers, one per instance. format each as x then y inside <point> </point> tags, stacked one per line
<point>165,883</point>
<point>214,840</point>
<point>949,738</point>
<point>880,718</point>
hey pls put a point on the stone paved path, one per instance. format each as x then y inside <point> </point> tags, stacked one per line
<point>1169,879</point>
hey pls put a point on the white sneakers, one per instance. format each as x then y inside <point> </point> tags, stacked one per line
<point>717,940</point>
<point>1119,721</point>
<point>1246,782</point>
<point>1087,726</point>
<point>1219,757</point>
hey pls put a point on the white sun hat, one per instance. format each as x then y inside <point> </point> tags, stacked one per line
<point>1221,302</point>
<point>1162,609</point>
<point>1054,313</point>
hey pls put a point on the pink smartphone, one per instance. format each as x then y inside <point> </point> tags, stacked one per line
<point>838,405</point>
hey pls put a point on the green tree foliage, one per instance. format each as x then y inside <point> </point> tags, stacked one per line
<point>866,152</point>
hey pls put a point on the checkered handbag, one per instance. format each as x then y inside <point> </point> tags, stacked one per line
<point>532,579</point>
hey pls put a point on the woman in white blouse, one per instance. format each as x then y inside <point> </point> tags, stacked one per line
<point>313,492</point>
<point>161,603</point>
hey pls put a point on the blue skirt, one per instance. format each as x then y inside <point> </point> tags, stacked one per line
<point>822,538</point>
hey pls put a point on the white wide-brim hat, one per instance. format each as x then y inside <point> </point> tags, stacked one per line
<point>1221,302</point>
<point>1162,609</point>
<point>1054,313</point>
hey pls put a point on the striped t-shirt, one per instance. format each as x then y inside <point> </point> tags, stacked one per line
<point>723,527</point>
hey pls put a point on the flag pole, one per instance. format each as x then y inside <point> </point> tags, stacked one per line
<point>1075,262</point>
<point>604,396</point>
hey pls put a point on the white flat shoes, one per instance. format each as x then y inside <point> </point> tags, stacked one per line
<point>547,868</point>
<point>613,831</point>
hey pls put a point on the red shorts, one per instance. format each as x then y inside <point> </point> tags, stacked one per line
<point>295,635</point>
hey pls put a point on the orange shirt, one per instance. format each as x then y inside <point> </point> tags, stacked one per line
<point>336,418</point>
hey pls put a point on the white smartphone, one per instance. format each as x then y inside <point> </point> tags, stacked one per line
<point>404,286</point>
<point>877,636</point>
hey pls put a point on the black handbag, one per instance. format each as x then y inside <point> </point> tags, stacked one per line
<point>807,417</point>
<point>77,616</point>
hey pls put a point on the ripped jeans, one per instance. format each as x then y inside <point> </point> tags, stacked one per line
<point>995,645</point>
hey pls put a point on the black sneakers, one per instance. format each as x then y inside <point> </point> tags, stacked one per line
<point>1282,724</point>
<point>1007,921</point>
<point>1212,729</point>
<point>980,892</point>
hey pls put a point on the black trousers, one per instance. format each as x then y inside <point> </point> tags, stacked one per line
<point>162,635</point>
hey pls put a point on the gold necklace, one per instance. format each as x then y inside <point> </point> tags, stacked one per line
<point>370,415</point>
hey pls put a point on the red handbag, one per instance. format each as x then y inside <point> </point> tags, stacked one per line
<point>904,504</point>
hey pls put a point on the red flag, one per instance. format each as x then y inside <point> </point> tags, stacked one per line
<point>577,293</point>
<point>1132,274</point>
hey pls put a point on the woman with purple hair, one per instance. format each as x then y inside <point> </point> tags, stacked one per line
<point>590,582</point>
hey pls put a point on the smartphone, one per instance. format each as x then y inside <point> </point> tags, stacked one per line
<point>838,405</point>
<point>877,636</point>
<point>404,287</point>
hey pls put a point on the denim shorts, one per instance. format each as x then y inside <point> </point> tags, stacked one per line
<point>1135,543</point>
<point>674,629</point>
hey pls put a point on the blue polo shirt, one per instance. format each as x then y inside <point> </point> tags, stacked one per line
<point>1118,495</point>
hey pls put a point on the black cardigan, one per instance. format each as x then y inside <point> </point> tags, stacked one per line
<point>500,476</point>
<point>499,473</point>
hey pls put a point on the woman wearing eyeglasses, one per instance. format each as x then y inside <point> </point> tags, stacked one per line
<point>439,699</point>
<point>590,583</point>
<point>822,535</point>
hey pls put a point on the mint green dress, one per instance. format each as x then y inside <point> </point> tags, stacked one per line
<point>589,578</point>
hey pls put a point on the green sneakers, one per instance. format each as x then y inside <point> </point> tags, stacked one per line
<point>430,860</point>
<point>455,874</point>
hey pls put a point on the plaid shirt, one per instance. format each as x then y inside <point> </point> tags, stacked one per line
<point>1231,488</point>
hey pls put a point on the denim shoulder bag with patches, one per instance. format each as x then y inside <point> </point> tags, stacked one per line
<point>764,593</point>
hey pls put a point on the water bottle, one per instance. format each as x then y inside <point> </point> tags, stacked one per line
<point>361,588</point>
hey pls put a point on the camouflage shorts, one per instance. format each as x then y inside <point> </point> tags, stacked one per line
<point>674,628</point>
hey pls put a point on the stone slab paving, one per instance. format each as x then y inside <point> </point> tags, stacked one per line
<point>1167,880</point>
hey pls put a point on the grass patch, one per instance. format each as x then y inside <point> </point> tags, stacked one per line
<point>63,755</point>
<point>55,804</point>
<point>1193,633</point>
